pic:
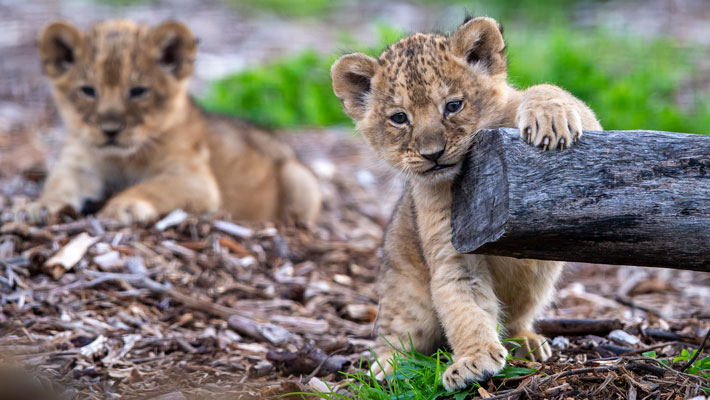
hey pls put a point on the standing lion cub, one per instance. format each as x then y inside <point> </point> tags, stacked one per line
<point>135,138</point>
<point>420,105</point>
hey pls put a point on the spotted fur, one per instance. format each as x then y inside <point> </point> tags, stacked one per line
<point>134,137</point>
<point>428,290</point>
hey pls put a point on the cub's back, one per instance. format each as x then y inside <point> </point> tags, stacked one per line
<point>246,163</point>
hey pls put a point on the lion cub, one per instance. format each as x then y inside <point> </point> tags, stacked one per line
<point>420,105</point>
<point>135,138</point>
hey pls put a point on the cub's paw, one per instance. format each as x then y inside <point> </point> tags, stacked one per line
<point>381,367</point>
<point>475,366</point>
<point>129,211</point>
<point>533,347</point>
<point>37,212</point>
<point>549,123</point>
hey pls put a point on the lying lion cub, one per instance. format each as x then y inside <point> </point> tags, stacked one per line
<point>135,138</point>
<point>420,105</point>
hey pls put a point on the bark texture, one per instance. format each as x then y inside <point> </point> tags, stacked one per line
<point>615,197</point>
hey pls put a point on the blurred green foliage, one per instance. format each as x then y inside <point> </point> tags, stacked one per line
<point>292,8</point>
<point>532,11</point>
<point>292,92</point>
<point>630,82</point>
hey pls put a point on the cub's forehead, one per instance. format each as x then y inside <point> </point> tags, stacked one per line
<point>110,36</point>
<point>418,69</point>
<point>419,44</point>
<point>113,47</point>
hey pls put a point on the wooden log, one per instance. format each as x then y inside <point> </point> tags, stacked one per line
<point>552,327</point>
<point>615,197</point>
<point>307,360</point>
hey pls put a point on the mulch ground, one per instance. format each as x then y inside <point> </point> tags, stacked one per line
<point>205,307</point>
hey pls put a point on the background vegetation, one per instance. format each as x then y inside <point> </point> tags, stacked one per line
<point>631,82</point>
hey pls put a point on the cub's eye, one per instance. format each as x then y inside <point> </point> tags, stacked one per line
<point>453,106</point>
<point>399,118</point>
<point>137,92</point>
<point>88,91</point>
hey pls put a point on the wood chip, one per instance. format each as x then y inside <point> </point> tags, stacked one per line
<point>260,331</point>
<point>69,255</point>
<point>484,393</point>
<point>94,348</point>
<point>318,386</point>
<point>234,247</point>
<point>233,229</point>
<point>176,217</point>
<point>172,396</point>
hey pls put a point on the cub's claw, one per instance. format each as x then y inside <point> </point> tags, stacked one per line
<point>35,212</point>
<point>533,347</point>
<point>381,367</point>
<point>549,124</point>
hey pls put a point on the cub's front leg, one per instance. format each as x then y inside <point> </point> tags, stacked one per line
<point>72,182</point>
<point>464,298</point>
<point>406,310</point>
<point>146,201</point>
<point>551,117</point>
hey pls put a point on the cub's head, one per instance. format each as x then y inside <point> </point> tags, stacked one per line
<point>420,104</point>
<point>119,85</point>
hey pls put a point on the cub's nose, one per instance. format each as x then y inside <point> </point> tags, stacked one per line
<point>111,128</point>
<point>433,156</point>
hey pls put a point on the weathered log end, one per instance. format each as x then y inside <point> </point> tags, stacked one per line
<point>615,197</point>
<point>482,219</point>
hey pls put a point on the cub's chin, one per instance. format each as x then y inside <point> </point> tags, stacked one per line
<point>118,151</point>
<point>125,145</point>
<point>438,174</point>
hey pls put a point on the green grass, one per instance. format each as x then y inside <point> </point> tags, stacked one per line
<point>629,82</point>
<point>416,377</point>
<point>700,367</point>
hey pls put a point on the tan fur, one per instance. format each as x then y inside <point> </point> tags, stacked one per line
<point>167,153</point>
<point>428,290</point>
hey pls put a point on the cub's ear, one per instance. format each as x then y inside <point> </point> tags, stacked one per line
<point>480,41</point>
<point>174,48</point>
<point>352,75</point>
<point>59,46</point>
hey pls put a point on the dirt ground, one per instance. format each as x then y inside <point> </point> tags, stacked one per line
<point>204,307</point>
